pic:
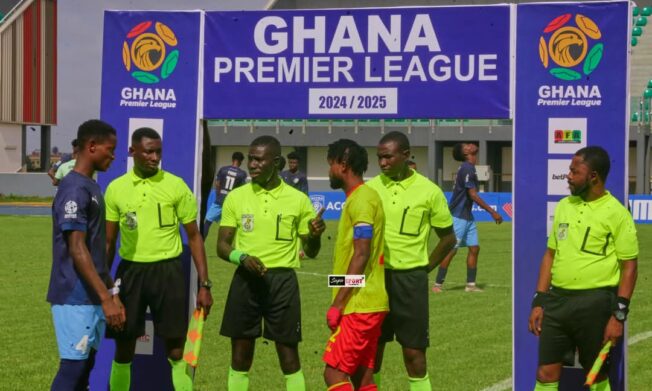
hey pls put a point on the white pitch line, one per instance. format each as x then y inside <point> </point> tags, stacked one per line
<point>507,383</point>
<point>503,385</point>
<point>639,337</point>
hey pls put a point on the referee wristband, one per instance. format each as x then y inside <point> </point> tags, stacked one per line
<point>539,299</point>
<point>234,256</point>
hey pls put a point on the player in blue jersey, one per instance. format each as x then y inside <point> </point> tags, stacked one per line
<point>81,291</point>
<point>464,195</point>
<point>227,179</point>
<point>292,176</point>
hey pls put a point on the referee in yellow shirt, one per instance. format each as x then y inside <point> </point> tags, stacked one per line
<point>587,274</point>
<point>146,205</point>
<point>264,223</point>
<point>413,206</point>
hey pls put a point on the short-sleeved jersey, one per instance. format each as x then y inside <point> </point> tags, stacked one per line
<point>589,238</point>
<point>268,223</point>
<point>149,211</point>
<point>412,206</point>
<point>364,206</point>
<point>64,169</point>
<point>298,180</point>
<point>461,204</point>
<point>228,178</point>
<point>77,206</point>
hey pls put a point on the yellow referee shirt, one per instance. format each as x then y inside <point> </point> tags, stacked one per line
<point>412,206</point>
<point>589,238</point>
<point>268,223</point>
<point>149,211</point>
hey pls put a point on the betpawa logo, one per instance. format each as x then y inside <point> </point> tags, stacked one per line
<point>570,50</point>
<point>150,54</point>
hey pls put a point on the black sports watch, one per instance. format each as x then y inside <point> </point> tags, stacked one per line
<point>620,309</point>
<point>208,284</point>
<point>620,315</point>
<point>243,257</point>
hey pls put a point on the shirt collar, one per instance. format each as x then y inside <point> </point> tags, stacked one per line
<point>136,179</point>
<point>275,192</point>
<point>405,183</point>
<point>595,203</point>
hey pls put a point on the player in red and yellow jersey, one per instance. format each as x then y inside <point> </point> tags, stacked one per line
<point>357,312</point>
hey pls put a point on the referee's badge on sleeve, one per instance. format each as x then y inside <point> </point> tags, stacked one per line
<point>562,231</point>
<point>248,223</point>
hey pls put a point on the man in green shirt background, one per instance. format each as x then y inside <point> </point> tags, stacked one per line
<point>146,206</point>
<point>413,206</point>
<point>587,274</point>
<point>61,168</point>
<point>264,223</point>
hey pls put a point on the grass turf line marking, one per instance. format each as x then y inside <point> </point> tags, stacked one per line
<point>507,383</point>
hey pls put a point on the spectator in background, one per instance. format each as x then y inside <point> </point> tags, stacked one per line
<point>412,164</point>
<point>292,176</point>
<point>227,179</point>
<point>65,165</point>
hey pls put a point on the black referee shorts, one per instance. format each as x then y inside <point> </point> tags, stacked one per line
<point>274,298</point>
<point>408,316</point>
<point>575,319</point>
<point>162,287</point>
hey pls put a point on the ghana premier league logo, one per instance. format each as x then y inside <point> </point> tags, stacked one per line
<point>571,50</point>
<point>149,52</point>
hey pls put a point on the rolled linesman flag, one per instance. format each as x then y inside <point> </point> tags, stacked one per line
<point>595,369</point>
<point>193,339</point>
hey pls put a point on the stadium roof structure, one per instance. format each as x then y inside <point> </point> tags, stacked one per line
<point>28,63</point>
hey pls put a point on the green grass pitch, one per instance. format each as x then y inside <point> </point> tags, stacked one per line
<point>470,333</point>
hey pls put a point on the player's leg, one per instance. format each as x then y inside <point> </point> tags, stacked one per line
<point>459,226</point>
<point>369,328</point>
<point>180,377</point>
<point>386,330</point>
<point>166,297</point>
<point>125,348</point>
<point>79,330</point>
<point>242,323</point>
<point>554,342</point>
<point>282,316</point>
<point>132,276</point>
<point>364,379</point>
<point>412,324</point>
<point>472,257</point>
<point>288,357</point>
<point>213,215</point>
<point>593,313</point>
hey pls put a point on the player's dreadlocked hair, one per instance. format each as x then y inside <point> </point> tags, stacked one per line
<point>349,152</point>
<point>458,152</point>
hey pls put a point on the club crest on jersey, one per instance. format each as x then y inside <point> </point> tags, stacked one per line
<point>131,221</point>
<point>71,210</point>
<point>247,223</point>
<point>562,231</point>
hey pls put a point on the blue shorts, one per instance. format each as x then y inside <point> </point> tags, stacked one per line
<point>214,213</point>
<point>466,232</point>
<point>78,328</point>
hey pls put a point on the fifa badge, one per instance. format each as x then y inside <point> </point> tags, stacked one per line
<point>248,223</point>
<point>562,231</point>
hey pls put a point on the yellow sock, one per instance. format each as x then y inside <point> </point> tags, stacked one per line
<point>554,386</point>
<point>420,384</point>
<point>120,376</point>
<point>602,386</point>
<point>238,380</point>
